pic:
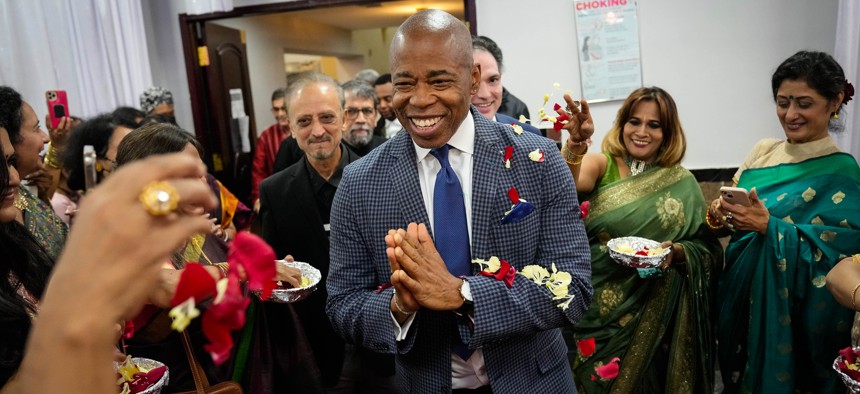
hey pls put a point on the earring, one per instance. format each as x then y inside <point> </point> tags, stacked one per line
<point>835,115</point>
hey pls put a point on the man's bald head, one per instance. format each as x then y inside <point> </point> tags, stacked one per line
<point>435,22</point>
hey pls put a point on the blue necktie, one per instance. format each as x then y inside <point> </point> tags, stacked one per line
<point>449,227</point>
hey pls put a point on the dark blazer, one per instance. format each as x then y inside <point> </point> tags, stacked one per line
<point>518,328</point>
<point>289,153</point>
<point>502,118</point>
<point>374,142</point>
<point>512,106</point>
<point>292,224</point>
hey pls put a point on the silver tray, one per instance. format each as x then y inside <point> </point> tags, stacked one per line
<point>148,364</point>
<point>634,260</point>
<point>296,294</point>
<point>853,385</point>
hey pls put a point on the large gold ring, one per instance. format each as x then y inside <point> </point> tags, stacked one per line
<point>159,198</point>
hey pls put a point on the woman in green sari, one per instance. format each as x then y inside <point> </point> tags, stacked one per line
<point>655,325</point>
<point>780,328</point>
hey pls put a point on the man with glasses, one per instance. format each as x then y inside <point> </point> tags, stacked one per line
<point>360,117</point>
<point>267,146</point>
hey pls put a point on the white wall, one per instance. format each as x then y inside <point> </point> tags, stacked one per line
<point>714,57</point>
<point>267,37</point>
<point>167,62</point>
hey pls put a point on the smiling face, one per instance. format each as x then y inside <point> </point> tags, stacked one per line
<point>488,99</point>
<point>9,191</point>
<point>33,140</point>
<point>316,120</point>
<point>385,92</point>
<point>432,85</point>
<point>643,132</point>
<point>280,113</point>
<point>803,113</point>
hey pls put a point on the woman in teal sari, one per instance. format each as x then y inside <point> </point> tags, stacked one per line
<point>780,328</point>
<point>655,325</point>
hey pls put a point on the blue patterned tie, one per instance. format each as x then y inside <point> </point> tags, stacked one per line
<point>449,227</point>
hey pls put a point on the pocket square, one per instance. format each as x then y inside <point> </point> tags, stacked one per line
<point>519,210</point>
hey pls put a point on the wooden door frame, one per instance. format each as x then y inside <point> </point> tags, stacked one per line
<point>190,28</point>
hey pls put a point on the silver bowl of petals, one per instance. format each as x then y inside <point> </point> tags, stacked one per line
<point>637,252</point>
<point>848,367</point>
<point>139,375</point>
<point>286,294</point>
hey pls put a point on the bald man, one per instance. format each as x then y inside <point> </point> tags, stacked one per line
<point>409,217</point>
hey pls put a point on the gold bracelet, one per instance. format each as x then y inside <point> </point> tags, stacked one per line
<point>854,296</point>
<point>52,157</point>
<point>223,267</point>
<point>709,220</point>
<point>856,258</point>
<point>570,157</point>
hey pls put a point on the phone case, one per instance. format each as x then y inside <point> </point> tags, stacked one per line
<point>736,195</point>
<point>58,106</point>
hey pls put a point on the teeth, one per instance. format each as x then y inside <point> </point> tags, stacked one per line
<point>637,142</point>
<point>483,105</point>
<point>426,122</point>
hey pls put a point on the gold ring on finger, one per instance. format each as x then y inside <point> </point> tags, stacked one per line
<point>159,198</point>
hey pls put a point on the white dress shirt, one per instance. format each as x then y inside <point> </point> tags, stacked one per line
<point>472,373</point>
<point>392,127</point>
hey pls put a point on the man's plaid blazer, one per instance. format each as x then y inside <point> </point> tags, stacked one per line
<point>517,328</point>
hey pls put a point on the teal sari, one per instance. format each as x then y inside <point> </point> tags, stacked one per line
<point>660,328</point>
<point>780,328</point>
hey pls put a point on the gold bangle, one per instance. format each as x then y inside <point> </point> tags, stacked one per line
<point>709,220</point>
<point>570,157</point>
<point>52,157</point>
<point>854,295</point>
<point>856,258</point>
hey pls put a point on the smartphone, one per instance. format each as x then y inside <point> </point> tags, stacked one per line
<point>735,195</point>
<point>58,106</point>
<point>89,167</point>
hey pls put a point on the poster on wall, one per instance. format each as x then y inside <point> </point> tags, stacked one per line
<point>608,41</point>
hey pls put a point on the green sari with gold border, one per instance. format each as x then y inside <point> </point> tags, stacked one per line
<point>660,328</point>
<point>780,328</point>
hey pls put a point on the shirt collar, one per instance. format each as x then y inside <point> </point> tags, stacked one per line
<point>463,139</point>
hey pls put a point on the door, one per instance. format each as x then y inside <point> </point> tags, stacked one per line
<point>226,110</point>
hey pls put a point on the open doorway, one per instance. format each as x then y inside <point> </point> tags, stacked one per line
<point>337,37</point>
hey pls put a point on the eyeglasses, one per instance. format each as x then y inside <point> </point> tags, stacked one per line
<point>352,113</point>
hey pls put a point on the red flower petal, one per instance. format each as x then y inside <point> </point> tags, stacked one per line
<point>509,153</point>
<point>609,370</point>
<point>586,347</point>
<point>258,260</point>
<point>514,195</point>
<point>503,270</point>
<point>487,273</point>
<point>195,282</point>
<point>510,276</point>
<point>583,208</point>
<point>221,318</point>
<point>556,107</point>
<point>848,355</point>
<point>558,125</point>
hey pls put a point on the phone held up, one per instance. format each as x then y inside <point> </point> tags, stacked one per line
<point>58,106</point>
<point>735,195</point>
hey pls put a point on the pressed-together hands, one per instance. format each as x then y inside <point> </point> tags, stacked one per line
<point>419,275</point>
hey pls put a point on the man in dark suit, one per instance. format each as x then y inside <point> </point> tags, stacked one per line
<point>414,292</point>
<point>295,209</point>
<point>359,117</point>
<point>388,124</point>
<point>488,98</point>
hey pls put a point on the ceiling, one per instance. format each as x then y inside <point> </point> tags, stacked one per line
<point>385,14</point>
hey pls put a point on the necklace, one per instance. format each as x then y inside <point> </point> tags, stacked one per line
<point>637,166</point>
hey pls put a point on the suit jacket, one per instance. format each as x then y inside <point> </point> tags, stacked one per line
<point>289,153</point>
<point>512,106</point>
<point>502,118</point>
<point>518,328</point>
<point>292,224</point>
<point>374,142</point>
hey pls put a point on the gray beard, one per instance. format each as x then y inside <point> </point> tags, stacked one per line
<point>359,141</point>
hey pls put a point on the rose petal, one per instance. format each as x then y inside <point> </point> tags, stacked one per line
<point>194,282</point>
<point>583,209</point>
<point>556,107</point>
<point>514,195</point>
<point>586,347</point>
<point>558,123</point>
<point>258,260</point>
<point>610,370</point>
